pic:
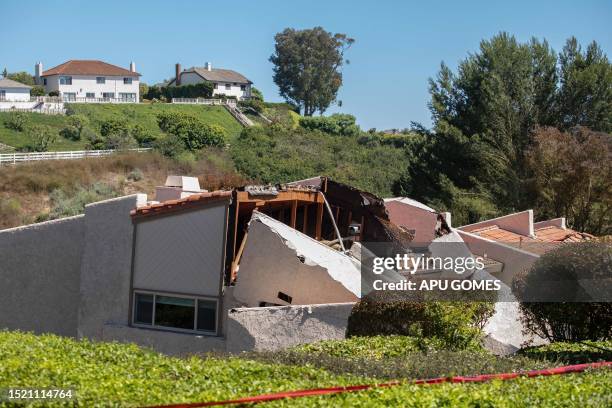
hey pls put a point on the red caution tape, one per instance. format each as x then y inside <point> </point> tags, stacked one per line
<point>352,388</point>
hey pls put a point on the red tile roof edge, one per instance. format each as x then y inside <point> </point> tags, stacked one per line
<point>88,67</point>
<point>186,203</point>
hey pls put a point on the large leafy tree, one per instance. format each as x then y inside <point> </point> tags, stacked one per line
<point>585,95</point>
<point>307,67</point>
<point>484,119</point>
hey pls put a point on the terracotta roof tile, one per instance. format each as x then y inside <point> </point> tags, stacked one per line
<point>89,67</point>
<point>189,202</point>
<point>558,234</point>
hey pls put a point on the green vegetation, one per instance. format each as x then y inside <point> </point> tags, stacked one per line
<point>201,90</point>
<point>82,128</point>
<point>276,154</point>
<point>454,325</point>
<point>581,313</point>
<point>571,353</point>
<point>113,374</point>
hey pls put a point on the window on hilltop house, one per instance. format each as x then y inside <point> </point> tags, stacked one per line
<point>65,80</point>
<point>2,95</point>
<point>110,95</point>
<point>90,95</point>
<point>243,87</point>
<point>127,96</point>
<point>216,86</point>
<point>44,81</point>
<point>184,313</point>
<point>100,80</point>
<point>127,81</point>
<point>228,87</point>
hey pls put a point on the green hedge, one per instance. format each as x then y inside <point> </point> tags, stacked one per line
<point>571,353</point>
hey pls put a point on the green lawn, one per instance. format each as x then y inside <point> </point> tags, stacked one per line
<point>143,114</point>
<point>112,374</point>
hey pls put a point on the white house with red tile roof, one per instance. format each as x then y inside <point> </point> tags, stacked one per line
<point>90,81</point>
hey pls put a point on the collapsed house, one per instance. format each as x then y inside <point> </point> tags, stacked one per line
<point>256,267</point>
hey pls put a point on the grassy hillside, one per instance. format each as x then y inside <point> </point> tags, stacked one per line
<point>112,374</point>
<point>131,114</point>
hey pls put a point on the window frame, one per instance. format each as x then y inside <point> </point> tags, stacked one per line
<point>108,93</point>
<point>228,87</point>
<point>128,80</point>
<point>101,80</point>
<point>90,95</point>
<point>195,298</point>
<point>65,80</point>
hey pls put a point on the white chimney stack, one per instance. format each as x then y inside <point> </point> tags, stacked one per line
<point>38,70</point>
<point>208,66</point>
<point>132,66</point>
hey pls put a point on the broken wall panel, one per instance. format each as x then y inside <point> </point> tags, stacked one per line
<point>279,261</point>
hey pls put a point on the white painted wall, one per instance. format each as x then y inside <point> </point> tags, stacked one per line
<point>15,94</point>
<point>191,78</point>
<point>82,84</point>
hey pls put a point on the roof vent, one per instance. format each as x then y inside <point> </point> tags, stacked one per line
<point>208,66</point>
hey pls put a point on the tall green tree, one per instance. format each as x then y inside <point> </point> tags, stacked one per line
<point>484,119</point>
<point>22,77</point>
<point>307,67</point>
<point>585,95</point>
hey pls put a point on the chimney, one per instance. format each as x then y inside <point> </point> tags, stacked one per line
<point>132,66</point>
<point>38,70</point>
<point>208,66</point>
<point>177,74</point>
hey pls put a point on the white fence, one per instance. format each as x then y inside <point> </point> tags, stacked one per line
<point>203,101</point>
<point>14,158</point>
<point>44,111</point>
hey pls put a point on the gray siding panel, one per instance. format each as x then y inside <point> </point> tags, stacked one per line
<point>181,253</point>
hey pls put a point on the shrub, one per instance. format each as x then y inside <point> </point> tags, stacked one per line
<point>70,133</point>
<point>10,212</point>
<point>54,93</point>
<point>115,134</point>
<point>456,324</point>
<point>42,136</point>
<point>66,204</point>
<point>337,124</point>
<point>200,90</point>
<point>255,104</point>
<point>554,301</point>
<point>16,121</point>
<point>571,353</point>
<point>143,136</point>
<point>135,175</point>
<point>170,146</point>
<point>37,90</point>
<point>194,133</point>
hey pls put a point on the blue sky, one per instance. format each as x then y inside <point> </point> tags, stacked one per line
<point>399,44</point>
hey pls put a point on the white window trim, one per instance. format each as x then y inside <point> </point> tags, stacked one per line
<point>175,329</point>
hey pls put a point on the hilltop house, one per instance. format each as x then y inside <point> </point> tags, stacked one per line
<point>225,81</point>
<point>90,81</point>
<point>13,91</point>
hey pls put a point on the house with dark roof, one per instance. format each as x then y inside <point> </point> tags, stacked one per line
<point>225,81</point>
<point>90,81</point>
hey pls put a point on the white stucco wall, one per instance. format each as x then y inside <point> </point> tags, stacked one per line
<point>82,84</point>
<point>16,94</point>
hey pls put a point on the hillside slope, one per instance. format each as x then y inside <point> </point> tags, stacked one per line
<point>131,114</point>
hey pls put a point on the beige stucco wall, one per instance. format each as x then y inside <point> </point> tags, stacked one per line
<point>268,266</point>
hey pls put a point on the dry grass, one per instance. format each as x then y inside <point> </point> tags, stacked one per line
<point>25,188</point>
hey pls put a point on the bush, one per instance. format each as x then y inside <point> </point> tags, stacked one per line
<point>135,175</point>
<point>338,124</point>
<point>42,136</point>
<point>37,90</point>
<point>10,212</point>
<point>16,121</point>
<point>200,90</point>
<point>571,353</point>
<point>70,133</point>
<point>553,298</point>
<point>54,93</point>
<point>456,324</point>
<point>66,204</point>
<point>170,146</point>
<point>194,133</point>
<point>143,136</point>
<point>115,134</point>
